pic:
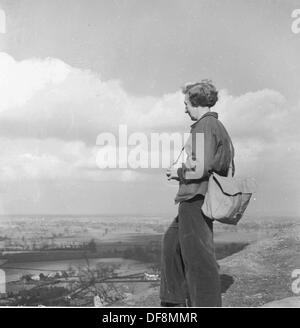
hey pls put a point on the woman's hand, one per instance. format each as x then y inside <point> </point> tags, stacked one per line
<point>172,174</point>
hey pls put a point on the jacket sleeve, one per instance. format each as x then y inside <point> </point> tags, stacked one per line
<point>223,159</point>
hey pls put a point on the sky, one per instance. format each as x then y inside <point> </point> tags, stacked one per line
<point>72,69</point>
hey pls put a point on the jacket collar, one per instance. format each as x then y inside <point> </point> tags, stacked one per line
<point>214,114</point>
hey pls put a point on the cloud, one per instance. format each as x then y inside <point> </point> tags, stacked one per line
<point>20,81</point>
<point>51,114</point>
<point>57,96</point>
<point>261,115</point>
<point>27,159</point>
<point>48,98</point>
<point>39,159</point>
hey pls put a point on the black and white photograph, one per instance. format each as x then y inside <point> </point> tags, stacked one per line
<point>149,155</point>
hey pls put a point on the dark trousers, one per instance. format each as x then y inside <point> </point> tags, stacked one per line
<point>189,271</point>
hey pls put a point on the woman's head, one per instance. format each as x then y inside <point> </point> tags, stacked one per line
<point>200,94</point>
<point>199,98</point>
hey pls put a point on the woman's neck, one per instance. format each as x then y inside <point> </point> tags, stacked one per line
<point>202,111</point>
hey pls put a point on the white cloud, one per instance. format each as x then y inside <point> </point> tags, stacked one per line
<point>20,81</point>
<point>23,159</point>
<point>51,114</point>
<point>51,99</point>
<point>39,159</point>
<point>48,98</point>
<point>261,115</point>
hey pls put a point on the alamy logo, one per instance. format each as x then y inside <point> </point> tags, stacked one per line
<point>140,151</point>
<point>296,282</point>
<point>296,23</point>
<point>2,21</point>
<point>2,282</point>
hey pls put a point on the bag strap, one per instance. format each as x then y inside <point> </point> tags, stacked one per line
<point>174,163</point>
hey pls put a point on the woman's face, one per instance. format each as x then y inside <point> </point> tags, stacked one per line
<point>190,110</point>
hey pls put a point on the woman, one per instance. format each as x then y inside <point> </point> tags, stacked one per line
<point>189,271</point>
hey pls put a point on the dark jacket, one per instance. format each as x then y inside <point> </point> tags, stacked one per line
<point>209,148</point>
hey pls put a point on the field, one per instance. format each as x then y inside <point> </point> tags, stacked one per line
<point>256,257</point>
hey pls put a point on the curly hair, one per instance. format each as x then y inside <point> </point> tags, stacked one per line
<point>202,93</point>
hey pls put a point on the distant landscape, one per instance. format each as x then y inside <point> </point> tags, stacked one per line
<point>57,255</point>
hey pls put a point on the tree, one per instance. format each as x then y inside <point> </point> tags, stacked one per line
<point>92,246</point>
